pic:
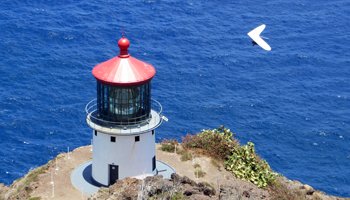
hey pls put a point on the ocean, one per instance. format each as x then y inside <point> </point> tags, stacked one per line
<point>292,102</point>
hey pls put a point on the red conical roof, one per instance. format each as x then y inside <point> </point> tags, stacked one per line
<point>123,70</point>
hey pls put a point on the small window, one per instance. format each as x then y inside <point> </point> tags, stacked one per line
<point>153,163</point>
<point>137,138</point>
<point>152,132</point>
<point>95,133</point>
<point>112,139</point>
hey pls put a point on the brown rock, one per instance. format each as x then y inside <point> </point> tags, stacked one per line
<point>228,193</point>
<point>155,185</point>
<point>126,189</point>
<point>246,194</point>
<point>175,177</point>
<point>188,192</point>
<point>209,191</point>
<point>3,190</point>
<point>186,180</point>
<point>103,193</point>
<point>309,189</point>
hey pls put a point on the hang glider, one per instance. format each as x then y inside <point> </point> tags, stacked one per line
<point>257,39</point>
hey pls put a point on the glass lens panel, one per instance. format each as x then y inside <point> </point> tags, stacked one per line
<point>123,104</point>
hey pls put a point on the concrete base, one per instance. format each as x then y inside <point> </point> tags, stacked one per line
<point>82,180</point>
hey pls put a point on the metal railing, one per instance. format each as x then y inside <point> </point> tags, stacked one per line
<point>93,116</point>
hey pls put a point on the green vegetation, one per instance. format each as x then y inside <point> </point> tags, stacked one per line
<point>246,165</point>
<point>171,145</point>
<point>218,143</point>
<point>242,161</point>
<point>168,145</point>
<point>35,198</point>
<point>280,191</point>
<point>186,155</point>
<point>23,185</point>
<point>178,196</point>
<point>198,172</point>
<point>197,165</point>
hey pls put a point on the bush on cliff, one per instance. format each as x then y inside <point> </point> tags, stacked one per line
<point>242,161</point>
<point>218,143</point>
<point>246,165</point>
<point>168,145</point>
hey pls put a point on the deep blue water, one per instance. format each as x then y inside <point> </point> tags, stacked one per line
<point>293,102</point>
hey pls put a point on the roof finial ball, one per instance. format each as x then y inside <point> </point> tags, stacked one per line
<point>123,44</point>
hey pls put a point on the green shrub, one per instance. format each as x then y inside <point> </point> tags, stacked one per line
<point>245,164</point>
<point>279,191</point>
<point>197,165</point>
<point>178,196</point>
<point>240,160</point>
<point>168,145</point>
<point>35,198</point>
<point>199,173</point>
<point>186,155</point>
<point>218,143</point>
<point>180,150</point>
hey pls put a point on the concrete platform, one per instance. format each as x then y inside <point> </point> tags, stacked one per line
<point>82,180</point>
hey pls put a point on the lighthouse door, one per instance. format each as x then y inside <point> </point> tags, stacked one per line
<point>113,174</point>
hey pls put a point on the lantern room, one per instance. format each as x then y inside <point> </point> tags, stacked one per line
<point>123,89</point>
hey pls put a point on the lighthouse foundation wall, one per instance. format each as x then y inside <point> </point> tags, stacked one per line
<point>122,156</point>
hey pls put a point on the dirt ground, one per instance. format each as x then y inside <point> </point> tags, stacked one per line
<point>215,173</point>
<point>55,183</point>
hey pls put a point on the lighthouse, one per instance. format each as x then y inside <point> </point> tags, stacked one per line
<point>123,118</point>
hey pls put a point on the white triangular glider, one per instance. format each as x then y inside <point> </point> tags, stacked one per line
<point>255,35</point>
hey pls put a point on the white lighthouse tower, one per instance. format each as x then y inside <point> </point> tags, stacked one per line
<point>123,118</point>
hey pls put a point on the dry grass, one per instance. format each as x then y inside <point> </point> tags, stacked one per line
<point>186,155</point>
<point>210,143</point>
<point>199,173</point>
<point>22,188</point>
<point>35,198</point>
<point>197,165</point>
<point>280,191</point>
<point>216,163</point>
<point>168,145</point>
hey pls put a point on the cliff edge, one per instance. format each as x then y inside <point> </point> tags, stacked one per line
<point>204,170</point>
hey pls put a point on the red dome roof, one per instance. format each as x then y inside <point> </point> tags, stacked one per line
<point>123,70</point>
